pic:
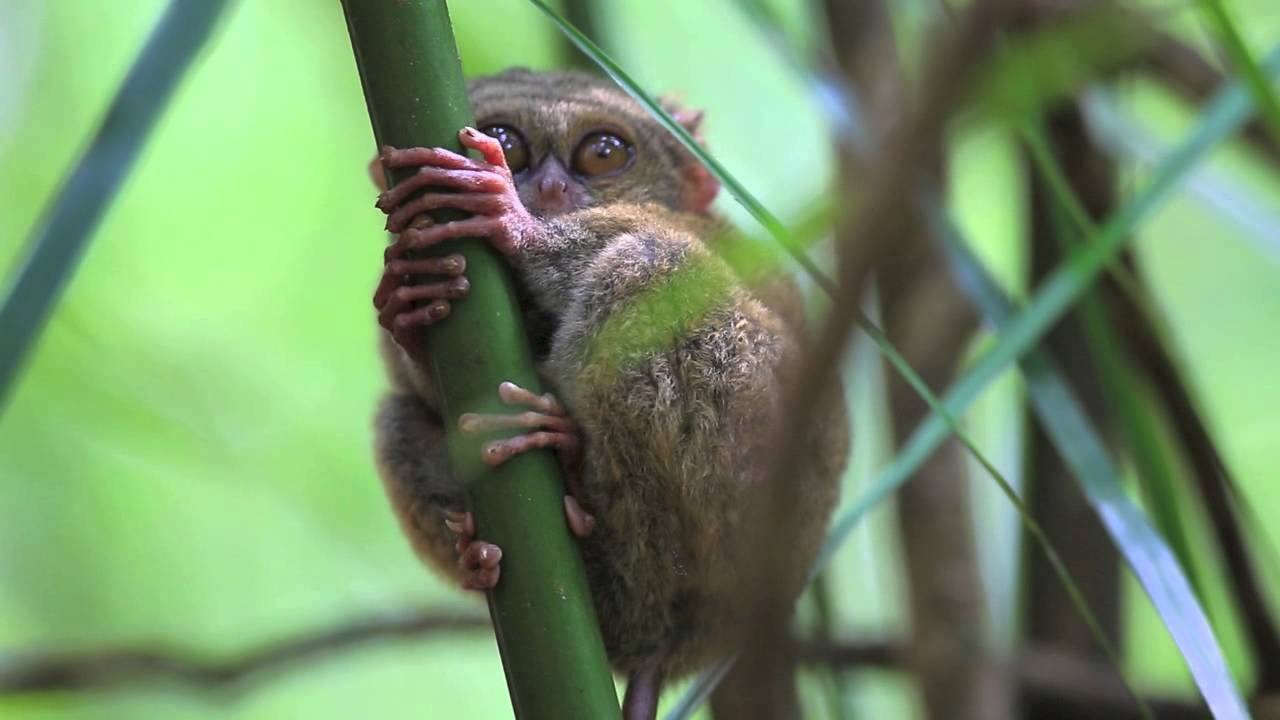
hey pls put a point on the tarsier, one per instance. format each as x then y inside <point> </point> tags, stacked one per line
<point>666,441</point>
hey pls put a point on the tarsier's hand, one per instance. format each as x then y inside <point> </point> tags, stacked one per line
<point>406,301</point>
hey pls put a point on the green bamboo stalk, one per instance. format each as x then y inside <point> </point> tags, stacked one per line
<point>545,624</point>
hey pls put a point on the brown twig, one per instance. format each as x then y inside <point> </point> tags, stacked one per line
<point>884,220</point>
<point>114,667</point>
<point>928,318</point>
<point>1061,685</point>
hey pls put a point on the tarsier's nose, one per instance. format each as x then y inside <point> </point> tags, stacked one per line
<point>553,193</point>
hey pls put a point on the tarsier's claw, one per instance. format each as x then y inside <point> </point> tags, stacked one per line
<point>461,524</point>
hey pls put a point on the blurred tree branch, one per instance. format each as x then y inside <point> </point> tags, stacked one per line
<point>931,322</point>
<point>1088,689</point>
<point>901,165</point>
<point>121,666</point>
<point>1077,688</point>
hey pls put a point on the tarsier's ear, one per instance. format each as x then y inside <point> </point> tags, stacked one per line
<point>702,186</point>
<point>377,174</point>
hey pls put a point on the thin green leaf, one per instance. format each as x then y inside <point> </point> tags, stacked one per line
<point>1124,137</point>
<point>73,215</point>
<point>1255,77</point>
<point>768,220</point>
<point>778,230</point>
<point>1149,557</point>
<point>1164,583</point>
<point>1155,468</point>
<point>1224,116</point>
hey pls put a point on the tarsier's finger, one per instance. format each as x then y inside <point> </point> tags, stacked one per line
<point>499,451</point>
<point>480,561</point>
<point>479,204</point>
<point>477,423</point>
<point>377,174</point>
<point>480,556</point>
<point>486,145</point>
<point>462,180</point>
<point>513,394</point>
<point>404,297</point>
<point>400,272</point>
<point>428,177</point>
<point>482,579</point>
<point>407,325</point>
<point>398,249</point>
<point>392,157</point>
<point>474,227</point>
<point>581,522</point>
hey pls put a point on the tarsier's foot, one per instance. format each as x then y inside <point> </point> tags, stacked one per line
<point>550,426</point>
<point>478,559</point>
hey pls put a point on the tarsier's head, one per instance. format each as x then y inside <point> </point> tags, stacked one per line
<point>573,141</point>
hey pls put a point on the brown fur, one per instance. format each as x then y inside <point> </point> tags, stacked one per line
<point>671,367</point>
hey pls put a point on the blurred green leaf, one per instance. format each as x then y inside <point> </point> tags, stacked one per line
<point>74,214</point>
<point>1145,551</point>
<point>1034,70</point>
<point>767,219</point>
<point>1124,137</point>
<point>1255,78</point>
<point>1156,473</point>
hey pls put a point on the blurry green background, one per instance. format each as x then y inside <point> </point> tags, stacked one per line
<point>186,459</point>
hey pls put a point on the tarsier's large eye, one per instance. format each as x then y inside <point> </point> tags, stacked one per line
<point>602,153</point>
<point>513,145</point>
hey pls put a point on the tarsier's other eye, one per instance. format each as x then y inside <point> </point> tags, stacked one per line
<point>602,153</point>
<point>513,145</point>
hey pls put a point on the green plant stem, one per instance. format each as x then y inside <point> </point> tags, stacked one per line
<point>542,611</point>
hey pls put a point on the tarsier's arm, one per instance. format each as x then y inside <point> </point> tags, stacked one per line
<point>415,293</point>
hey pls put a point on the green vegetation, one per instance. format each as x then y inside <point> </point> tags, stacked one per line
<point>186,456</point>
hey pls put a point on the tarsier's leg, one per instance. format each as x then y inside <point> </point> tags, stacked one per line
<point>550,427</point>
<point>641,700</point>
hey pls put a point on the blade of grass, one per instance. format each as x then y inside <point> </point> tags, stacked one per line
<point>74,214</point>
<point>1255,77</point>
<point>768,220</point>
<point>1155,468</point>
<point>1061,289</point>
<point>1148,556</point>
<point>1124,137</point>
<point>1229,110</point>
<point>780,233</point>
